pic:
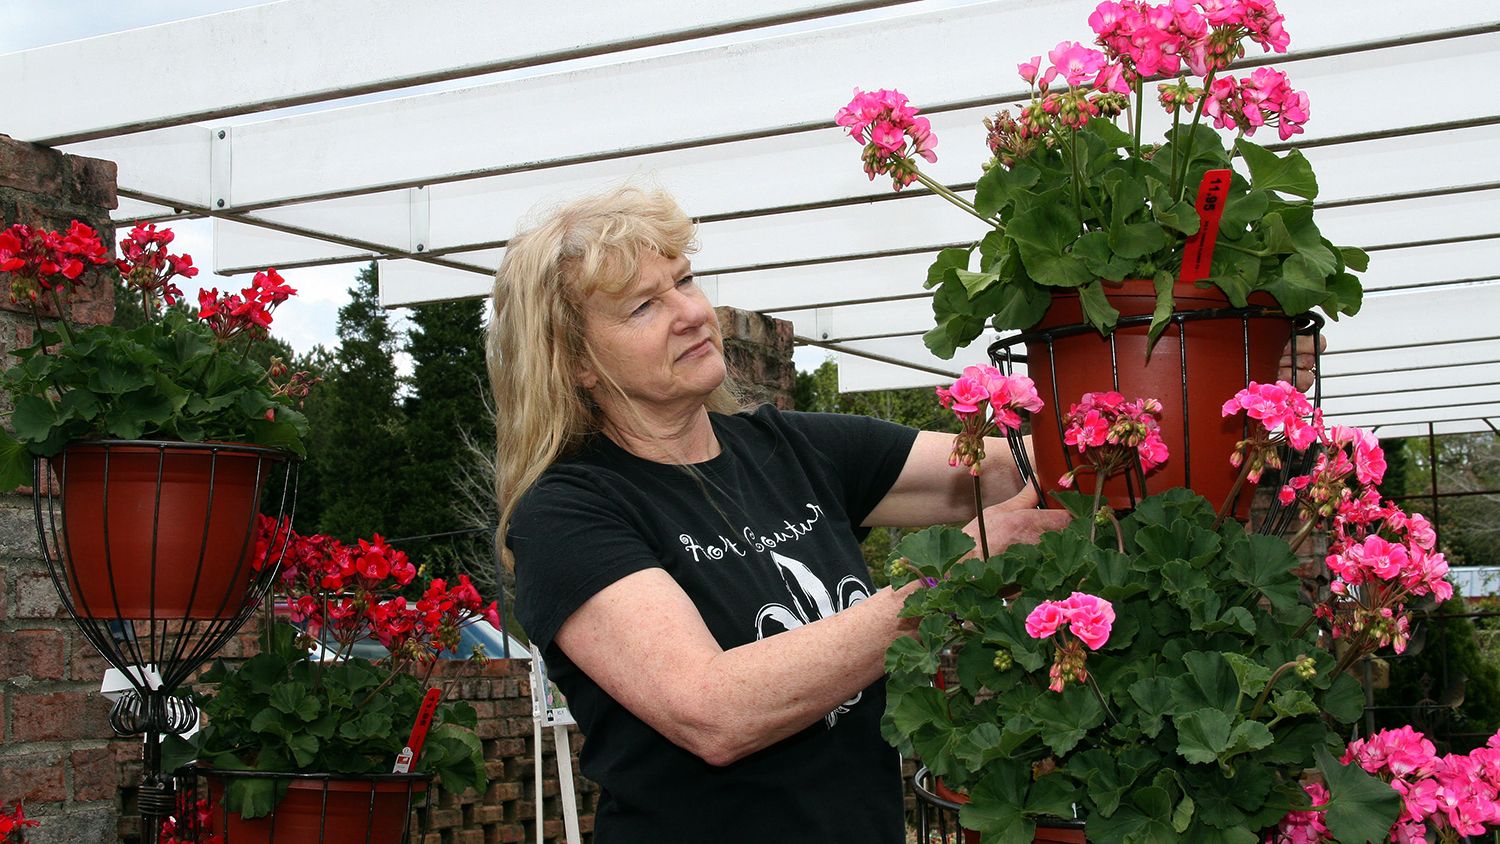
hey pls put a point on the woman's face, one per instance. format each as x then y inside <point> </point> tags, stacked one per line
<point>658,338</point>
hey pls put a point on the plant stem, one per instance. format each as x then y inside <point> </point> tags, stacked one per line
<point>1102,702</point>
<point>1266,692</point>
<point>1259,253</point>
<point>1187,157</point>
<point>1140,100</point>
<point>62,315</point>
<point>1302,534</point>
<point>1234,492</point>
<point>984,539</point>
<point>1094,510</point>
<point>1119,531</point>
<point>942,190</point>
<point>1077,176</point>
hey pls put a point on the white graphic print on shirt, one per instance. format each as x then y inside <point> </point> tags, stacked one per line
<point>810,601</point>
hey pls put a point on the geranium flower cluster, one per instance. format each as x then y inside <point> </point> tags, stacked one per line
<point>1379,557</point>
<point>249,311</point>
<point>1305,827</point>
<point>1143,40</point>
<point>1088,618</point>
<point>1285,416</point>
<point>891,133</point>
<point>1264,98</point>
<point>1111,432</point>
<point>42,260</point>
<point>1452,795</point>
<point>146,265</point>
<point>191,825</point>
<point>349,592</point>
<point>986,401</point>
<point>12,822</point>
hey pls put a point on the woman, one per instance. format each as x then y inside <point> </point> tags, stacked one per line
<point>692,574</point>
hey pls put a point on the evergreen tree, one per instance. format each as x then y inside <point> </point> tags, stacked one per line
<point>444,409</point>
<point>360,429</point>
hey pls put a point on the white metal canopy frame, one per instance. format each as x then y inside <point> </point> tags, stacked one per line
<point>730,106</point>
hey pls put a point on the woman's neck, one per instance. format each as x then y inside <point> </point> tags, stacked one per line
<point>662,438</point>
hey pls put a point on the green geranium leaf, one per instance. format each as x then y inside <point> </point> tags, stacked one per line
<point>1287,174</point>
<point>996,803</point>
<point>1345,296</point>
<point>999,186</point>
<point>251,798</point>
<point>1361,808</point>
<point>1208,684</point>
<point>1251,675</point>
<point>1045,234</point>
<point>1153,701</point>
<point>1096,307</point>
<point>1163,282</point>
<point>1242,211</point>
<point>1021,305</point>
<point>1289,703</point>
<point>975,283</point>
<point>934,549</point>
<point>33,419</point>
<point>947,261</point>
<point>1067,717</point>
<point>1093,249</point>
<point>1345,699</point>
<point>1202,735</point>
<point>1355,258</point>
<point>1265,563</point>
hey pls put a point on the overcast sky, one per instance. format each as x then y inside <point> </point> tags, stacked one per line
<point>307,319</point>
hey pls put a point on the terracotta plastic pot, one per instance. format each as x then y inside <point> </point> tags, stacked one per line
<point>1196,365</point>
<point>1056,831</point>
<point>173,536</point>
<point>324,811</point>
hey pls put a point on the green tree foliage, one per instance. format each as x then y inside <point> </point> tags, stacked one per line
<point>917,407</point>
<point>360,428</point>
<point>444,410</point>
<point>1445,685</point>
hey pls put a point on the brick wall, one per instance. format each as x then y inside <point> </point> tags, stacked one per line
<point>758,349</point>
<point>56,749</point>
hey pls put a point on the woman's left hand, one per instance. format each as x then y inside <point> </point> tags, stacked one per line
<point>1016,521</point>
<point>1305,360</point>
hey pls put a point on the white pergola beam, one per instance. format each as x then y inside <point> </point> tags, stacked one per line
<point>769,86</point>
<point>303,51</point>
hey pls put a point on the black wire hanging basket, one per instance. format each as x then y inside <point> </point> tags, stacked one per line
<point>156,553</point>
<point>309,808</point>
<point>1202,358</point>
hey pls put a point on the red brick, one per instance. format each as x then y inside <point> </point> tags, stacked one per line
<point>85,664</point>
<point>30,168</point>
<point>38,654</point>
<point>59,716</point>
<point>36,597</point>
<point>33,777</point>
<point>92,182</point>
<point>95,775</point>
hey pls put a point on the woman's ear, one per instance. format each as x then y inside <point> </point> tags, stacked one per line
<point>587,377</point>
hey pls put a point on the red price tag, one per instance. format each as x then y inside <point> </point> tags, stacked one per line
<point>413,749</point>
<point>1198,254</point>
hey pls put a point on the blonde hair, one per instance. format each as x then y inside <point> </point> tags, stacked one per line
<point>537,344</point>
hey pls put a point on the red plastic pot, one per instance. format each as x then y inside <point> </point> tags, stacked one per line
<point>1196,365</point>
<point>162,530</point>
<point>324,811</point>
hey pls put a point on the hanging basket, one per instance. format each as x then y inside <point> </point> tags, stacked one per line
<point>1207,353</point>
<point>321,808</point>
<point>156,530</point>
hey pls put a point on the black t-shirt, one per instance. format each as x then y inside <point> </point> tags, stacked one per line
<point>763,538</point>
